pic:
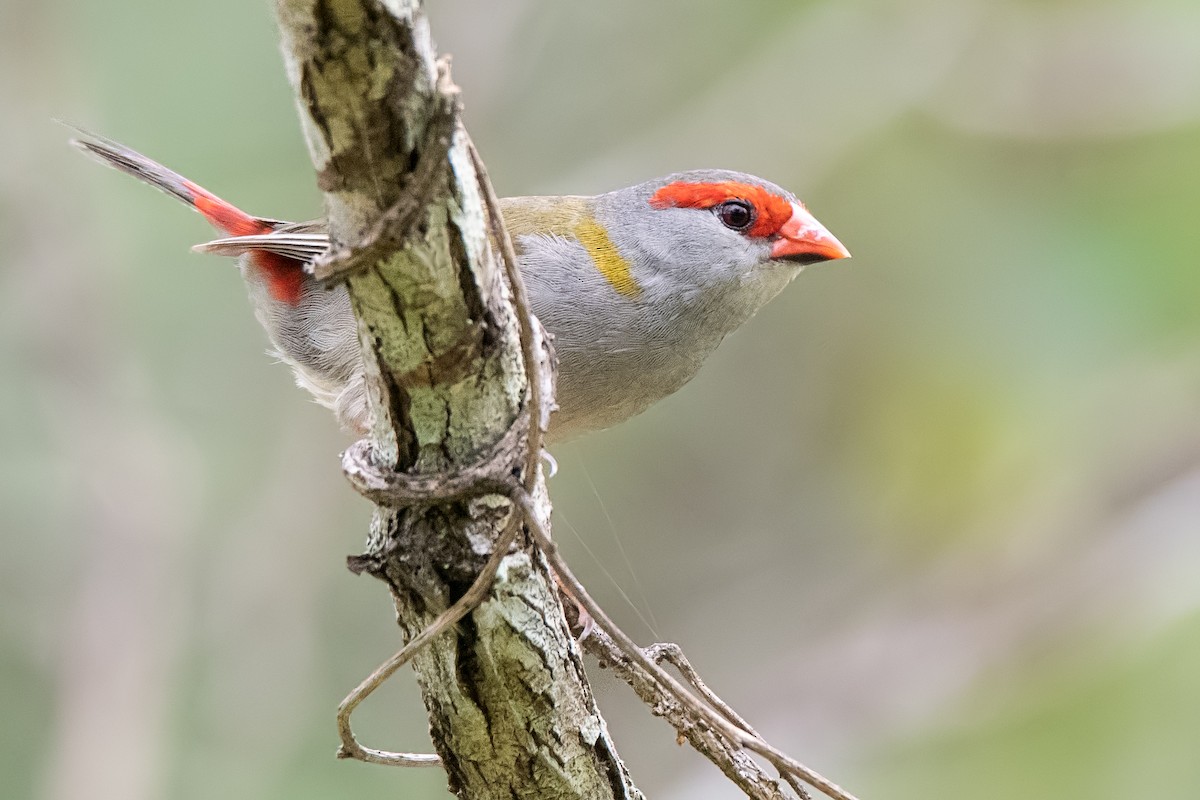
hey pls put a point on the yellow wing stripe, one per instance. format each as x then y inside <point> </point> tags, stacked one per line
<point>612,266</point>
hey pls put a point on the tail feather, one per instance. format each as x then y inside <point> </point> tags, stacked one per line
<point>222,215</point>
<point>302,247</point>
<point>282,273</point>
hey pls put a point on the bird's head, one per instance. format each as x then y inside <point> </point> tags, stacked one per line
<point>708,226</point>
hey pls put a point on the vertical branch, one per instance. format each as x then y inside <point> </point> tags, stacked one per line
<point>511,713</point>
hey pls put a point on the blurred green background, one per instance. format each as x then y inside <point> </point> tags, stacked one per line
<point>930,520</point>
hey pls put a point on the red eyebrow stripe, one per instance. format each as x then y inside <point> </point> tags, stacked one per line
<point>773,211</point>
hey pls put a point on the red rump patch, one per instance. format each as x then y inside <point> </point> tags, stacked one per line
<point>772,210</point>
<point>284,276</point>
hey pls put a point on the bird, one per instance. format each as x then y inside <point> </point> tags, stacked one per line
<point>637,286</point>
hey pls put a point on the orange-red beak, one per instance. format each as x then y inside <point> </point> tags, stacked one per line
<point>804,240</point>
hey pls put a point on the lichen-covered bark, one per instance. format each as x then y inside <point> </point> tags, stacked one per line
<point>511,713</point>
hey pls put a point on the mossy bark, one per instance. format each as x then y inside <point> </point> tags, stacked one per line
<point>511,712</point>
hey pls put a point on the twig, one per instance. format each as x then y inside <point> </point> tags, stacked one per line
<point>401,489</point>
<point>425,489</point>
<point>539,371</point>
<point>350,748</point>
<point>734,733</point>
<point>673,654</point>
<point>738,766</point>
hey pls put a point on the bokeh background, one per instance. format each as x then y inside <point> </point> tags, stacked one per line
<point>931,520</point>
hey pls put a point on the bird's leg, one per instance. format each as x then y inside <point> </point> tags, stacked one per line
<point>578,618</point>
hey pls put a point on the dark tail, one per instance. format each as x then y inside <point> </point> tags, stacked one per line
<point>223,216</point>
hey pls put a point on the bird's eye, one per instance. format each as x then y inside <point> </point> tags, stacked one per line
<point>737,215</point>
